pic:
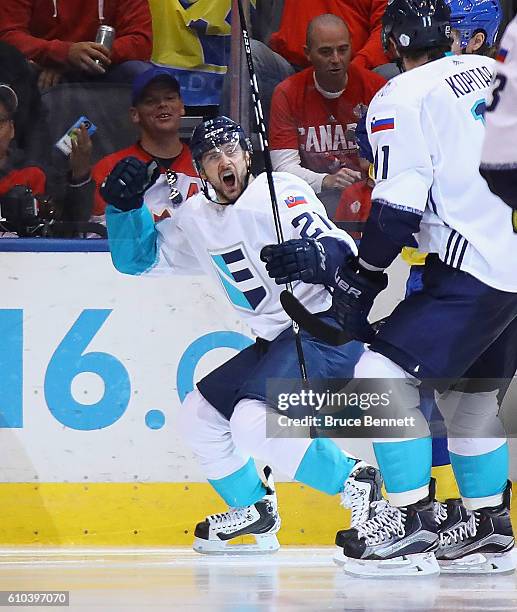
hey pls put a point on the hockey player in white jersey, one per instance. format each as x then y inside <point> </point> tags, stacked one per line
<point>426,130</point>
<point>222,232</point>
<point>499,156</point>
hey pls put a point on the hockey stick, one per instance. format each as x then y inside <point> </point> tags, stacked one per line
<point>335,336</point>
<point>330,334</point>
<point>262,133</point>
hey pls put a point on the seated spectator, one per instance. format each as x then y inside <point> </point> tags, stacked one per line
<point>285,53</point>
<point>23,182</point>
<point>363,18</point>
<point>58,37</point>
<point>13,169</point>
<point>156,109</point>
<point>15,70</point>
<point>314,113</point>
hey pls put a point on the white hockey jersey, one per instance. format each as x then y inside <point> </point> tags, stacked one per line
<point>225,241</point>
<point>426,128</point>
<point>500,146</point>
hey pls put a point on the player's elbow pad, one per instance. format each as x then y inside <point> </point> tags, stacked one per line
<point>502,183</point>
<point>388,229</point>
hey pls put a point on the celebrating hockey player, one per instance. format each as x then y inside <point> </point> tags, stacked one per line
<point>222,232</point>
<point>499,157</point>
<point>426,130</point>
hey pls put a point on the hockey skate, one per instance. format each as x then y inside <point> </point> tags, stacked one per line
<point>394,542</point>
<point>362,494</point>
<point>261,521</point>
<point>477,541</point>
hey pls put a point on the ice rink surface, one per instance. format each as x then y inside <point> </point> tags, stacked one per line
<point>294,579</point>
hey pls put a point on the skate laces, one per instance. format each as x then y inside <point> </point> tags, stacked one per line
<point>460,532</point>
<point>440,512</point>
<point>232,518</point>
<point>355,498</point>
<point>388,521</point>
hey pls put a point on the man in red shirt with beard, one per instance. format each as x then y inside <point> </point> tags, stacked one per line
<point>314,113</point>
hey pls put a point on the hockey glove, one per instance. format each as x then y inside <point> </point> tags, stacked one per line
<point>125,185</point>
<point>353,297</point>
<point>294,260</point>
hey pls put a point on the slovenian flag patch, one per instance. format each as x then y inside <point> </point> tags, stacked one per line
<point>379,125</point>
<point>294,201</point>
<point>501,55</point>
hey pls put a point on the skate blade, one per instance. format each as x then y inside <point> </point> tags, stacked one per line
<point>339,556</point>
<point>264,544</point>
<point>423,564</point>
<point>480,563</point>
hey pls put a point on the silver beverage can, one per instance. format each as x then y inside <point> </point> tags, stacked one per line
<point>105,36</point>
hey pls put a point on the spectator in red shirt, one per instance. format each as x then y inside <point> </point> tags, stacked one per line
<point>58,35</point>
<point>157,110</point>
<point>363,18</point>
<point>314,113</point>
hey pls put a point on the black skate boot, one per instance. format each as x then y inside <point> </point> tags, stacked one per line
<point>260,520</point>
<point>477,541</point>
<point>394,542</point>
<point>362,493</point>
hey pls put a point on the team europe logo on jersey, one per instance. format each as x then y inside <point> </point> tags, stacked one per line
<point>240,279</point>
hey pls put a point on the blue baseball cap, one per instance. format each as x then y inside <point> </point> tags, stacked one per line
<point>156,73</point>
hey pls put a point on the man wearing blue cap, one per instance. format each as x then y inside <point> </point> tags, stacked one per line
<point>156,109</point>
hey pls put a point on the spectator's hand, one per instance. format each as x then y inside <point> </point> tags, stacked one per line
<point>48,77</point>
<point>343,178</point>
<point>82,56</point>
<point>80,157</point>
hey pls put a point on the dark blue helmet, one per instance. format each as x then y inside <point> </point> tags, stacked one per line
<point>416,24</point>
<point>470,16</point>
<point>215,132</point>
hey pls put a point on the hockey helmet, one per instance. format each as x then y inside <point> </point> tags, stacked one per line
<point>215,132</point>
<point>416,24</point>
<point>470,16</point>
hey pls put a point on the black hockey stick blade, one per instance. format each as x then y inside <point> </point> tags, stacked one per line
<point>311,323</point>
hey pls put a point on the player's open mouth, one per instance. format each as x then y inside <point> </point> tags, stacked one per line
<point>164,116</point>
<point>228,178</point>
